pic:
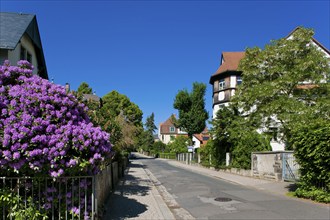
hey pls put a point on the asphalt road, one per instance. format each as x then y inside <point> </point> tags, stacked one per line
<point>211,198</point>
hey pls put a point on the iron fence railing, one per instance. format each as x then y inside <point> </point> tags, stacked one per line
<point>57,198</point>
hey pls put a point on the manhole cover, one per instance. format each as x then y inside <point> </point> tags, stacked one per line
<point>222,199</point>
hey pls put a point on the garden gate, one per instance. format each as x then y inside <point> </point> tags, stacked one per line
<point>290,167</point>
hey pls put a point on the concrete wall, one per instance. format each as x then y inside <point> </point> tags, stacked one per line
<point>267,165</point>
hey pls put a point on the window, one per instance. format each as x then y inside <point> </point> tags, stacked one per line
<point>172,129</point>
<point>205,138</point>
<point>222,84</point>
<point>23,53</point>
<point>29,57</point>
<point>238,80</point>
<point>172,138</point>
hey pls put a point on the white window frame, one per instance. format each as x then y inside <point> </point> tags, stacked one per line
<point>222,84</point>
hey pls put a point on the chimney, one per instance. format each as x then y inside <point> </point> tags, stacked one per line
<point>67,87</point>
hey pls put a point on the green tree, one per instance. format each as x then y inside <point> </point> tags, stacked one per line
<point>271,78</point>
<point>150,123</point>
<point>115,104</point>
<point>159,147</point>
<point>84,89</point>
<point>191,107</point>
<point>129,132</point>
<point>146,141</point>
<point>233,134</point>
<point>310,139</point>
<point>146,138</point>
<point>122,118</point>
<point>179,145</point>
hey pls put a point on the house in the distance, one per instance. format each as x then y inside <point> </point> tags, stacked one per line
<point>20,40</point>
<point>201,139</point>
<point>167,132</point>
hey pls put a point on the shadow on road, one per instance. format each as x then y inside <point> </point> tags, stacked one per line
<point>142,158</point>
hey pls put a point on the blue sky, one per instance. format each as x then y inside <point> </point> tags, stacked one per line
<point>149,50</point>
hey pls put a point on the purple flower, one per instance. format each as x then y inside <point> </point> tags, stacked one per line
<point>7,154</point>
<point>44,129</point>
<point>16,155</point>
<point>47,206</point>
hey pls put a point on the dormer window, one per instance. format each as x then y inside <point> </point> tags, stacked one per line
<point>222,84</point>
<point>172,129</point>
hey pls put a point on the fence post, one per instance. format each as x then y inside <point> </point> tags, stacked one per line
<point>227,159</point>
<point>283,166</point>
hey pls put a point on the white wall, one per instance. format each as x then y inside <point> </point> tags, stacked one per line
<point>197,143</point>
<point>165,138</point>
<point>277,146</point>
<point>14,55</point>
<point>217,107</point>
<point>233,81</point>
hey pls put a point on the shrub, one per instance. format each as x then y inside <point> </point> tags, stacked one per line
<point>44,130</point>
<point>311,143</point>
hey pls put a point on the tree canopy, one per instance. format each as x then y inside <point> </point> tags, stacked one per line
<point>272,92</point>
<point>150,123</point>
<point>115,104</point>
<point>146,138</point>
<point>233,134</point>
<point>84,89</point>
<point>191,107</point>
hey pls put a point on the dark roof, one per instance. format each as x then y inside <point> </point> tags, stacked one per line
<point>230,63</point>
<point>12,28</point>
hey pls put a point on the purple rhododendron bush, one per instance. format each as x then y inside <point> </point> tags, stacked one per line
<point>44,130</point>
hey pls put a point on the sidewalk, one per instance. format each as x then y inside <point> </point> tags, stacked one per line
<point>271,186</point>
<point>136,197</point>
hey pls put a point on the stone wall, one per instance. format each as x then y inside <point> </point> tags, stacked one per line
<point>267,165</point>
